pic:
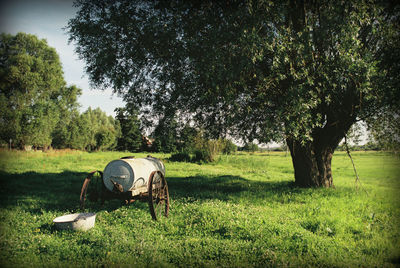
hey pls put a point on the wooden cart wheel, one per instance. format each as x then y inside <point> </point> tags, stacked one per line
<point>158,195</point>
<point>95,193</point>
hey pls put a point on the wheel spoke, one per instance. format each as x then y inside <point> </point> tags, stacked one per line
<point>158,196</point>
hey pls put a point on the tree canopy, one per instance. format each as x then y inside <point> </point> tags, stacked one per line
<point>37,108</point>
<point>302,70</point>
<point>32,89</point>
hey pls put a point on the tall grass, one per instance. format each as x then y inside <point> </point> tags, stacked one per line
<point>241,211</point>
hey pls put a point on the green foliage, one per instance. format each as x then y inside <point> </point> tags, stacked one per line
<point>371,146</point>
<point>384,129</point>
<point>297,64</point>
<point>187,138</point>
<point>78,131</point>
<point>210,150</point>
<point>32,85</point>
<point>251,147</point>
<point>204,150</point>
<point>260,70</point>
<point>203,156</point>
<point>100,130</point>
<point>242,211</point>
<point>68,105</point>
<point>92,130</point>
<point>37,108</point>
<point>228,147</point>
<point>166,135</point>
<point>180,157</point>
<point>131,136</point>
<point>105,138</point>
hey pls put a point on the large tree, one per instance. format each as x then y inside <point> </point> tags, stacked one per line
<point>32,89</point>
<point>302,70</point>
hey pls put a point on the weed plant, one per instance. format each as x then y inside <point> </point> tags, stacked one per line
<point>240,211</point>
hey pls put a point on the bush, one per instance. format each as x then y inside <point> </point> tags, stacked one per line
<point>203,155</point>
<point>228,146</point>
<point>251,147</point>
<point>206,150</point>
<point>180,157</point>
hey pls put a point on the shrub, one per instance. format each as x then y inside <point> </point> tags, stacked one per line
<point>228,146</point>
<point>251,147</point>
<point>180,157</point>
<point>203,155</point>
<point>206,150</point>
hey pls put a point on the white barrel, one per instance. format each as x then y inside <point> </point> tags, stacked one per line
<point>131,173</point>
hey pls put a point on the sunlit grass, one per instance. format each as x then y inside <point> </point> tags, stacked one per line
<point>241,211</point>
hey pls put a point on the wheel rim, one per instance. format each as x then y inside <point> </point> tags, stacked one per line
<point>94,194</point>
<point>158,195</point>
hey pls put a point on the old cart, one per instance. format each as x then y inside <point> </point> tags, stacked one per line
<point>131,179</point>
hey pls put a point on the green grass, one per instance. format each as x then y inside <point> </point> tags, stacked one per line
<point>242,211</point>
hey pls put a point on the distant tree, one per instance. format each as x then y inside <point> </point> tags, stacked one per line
<point>206,149</point>
<point>228,147</point>
<point>384,124</point>
<point>303,70</point>
<point>68,107</point>
<point>100,131</point>
<point>372,146</point>
<point>250,147</point>
<point>186,138</point>
<point>31,88</point>
<point>166,135</point>
<point>105,138</point>
<point>78,131</point>
<point>384,130</point>
<point>131,134</point>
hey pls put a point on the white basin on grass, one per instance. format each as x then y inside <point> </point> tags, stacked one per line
<point>77,221</point>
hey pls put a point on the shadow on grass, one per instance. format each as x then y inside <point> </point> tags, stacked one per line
<point>35,192</point>
<point>238,189</point>
<point>53,191</point>
<point>226,188</point>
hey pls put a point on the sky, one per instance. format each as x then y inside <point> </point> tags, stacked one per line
<point>46,19</point>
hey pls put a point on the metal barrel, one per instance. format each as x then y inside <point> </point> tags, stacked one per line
<point>130,173</point>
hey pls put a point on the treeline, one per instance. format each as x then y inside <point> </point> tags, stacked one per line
<point>91,130</point>
<point>38,110</point>
<point>369,146</point>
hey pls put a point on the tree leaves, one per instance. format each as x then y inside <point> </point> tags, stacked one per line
<point>32,82</point>
<point>251,70</point>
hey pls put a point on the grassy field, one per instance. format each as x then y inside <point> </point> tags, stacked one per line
<point>242,211</point>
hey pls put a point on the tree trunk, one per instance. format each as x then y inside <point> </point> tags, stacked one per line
<point>312,160</point>
<point>312,166</point>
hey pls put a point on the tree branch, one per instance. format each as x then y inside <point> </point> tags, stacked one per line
<point>352,162</point>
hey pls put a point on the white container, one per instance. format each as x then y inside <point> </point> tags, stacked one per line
<point>78,221</point>
<point>131,173</point>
